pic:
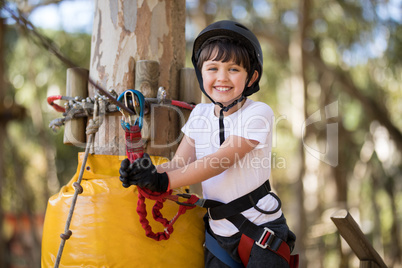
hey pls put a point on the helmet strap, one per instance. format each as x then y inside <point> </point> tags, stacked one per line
<point>221,116</point>
<point>225,109</point>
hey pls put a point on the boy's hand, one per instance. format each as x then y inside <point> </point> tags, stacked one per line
<point>143,174</point>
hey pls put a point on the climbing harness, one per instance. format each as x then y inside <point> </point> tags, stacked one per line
<point>251,233</point>
<point>92,128</point>
<point>132,125</point>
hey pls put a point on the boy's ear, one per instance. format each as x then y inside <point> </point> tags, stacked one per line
<point>253,78</point>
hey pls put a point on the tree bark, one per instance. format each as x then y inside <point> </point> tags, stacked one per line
<point>298,98</point>
<point>124,33</point>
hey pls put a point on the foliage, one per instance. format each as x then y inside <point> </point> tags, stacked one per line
<point>351,53</point>
<point>34,74</point>
<point>351,57</point>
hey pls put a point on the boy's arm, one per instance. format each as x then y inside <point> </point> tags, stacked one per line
<point>185,154</point>
<point>232,150</point>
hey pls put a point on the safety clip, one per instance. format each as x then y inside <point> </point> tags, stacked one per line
<point>135,101</point>
<point>186,196</point>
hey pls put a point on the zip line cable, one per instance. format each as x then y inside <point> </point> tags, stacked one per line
<point>48,44</point>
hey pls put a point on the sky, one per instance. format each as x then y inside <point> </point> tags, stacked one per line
<point>77,16</point>
<point>71,16</point>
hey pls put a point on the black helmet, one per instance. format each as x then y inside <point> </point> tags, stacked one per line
<point>234,30</point>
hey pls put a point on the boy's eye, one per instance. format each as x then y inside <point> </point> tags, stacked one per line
<point>234,69</point>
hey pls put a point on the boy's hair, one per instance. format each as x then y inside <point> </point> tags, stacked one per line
<point>225,49</point>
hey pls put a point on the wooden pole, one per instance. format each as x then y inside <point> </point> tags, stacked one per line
<point>124,33</point>
<point>3,124</point>
<point>358,242</point>
<point>146,81</point>
<point>190,92</point>
<point>189,89</point>
<point>74,130</point>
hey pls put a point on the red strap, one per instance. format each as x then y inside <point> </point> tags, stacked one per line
<point>134,148</point>
<point>294,261</point>
<point>244,249</point>
<point>246,243</point>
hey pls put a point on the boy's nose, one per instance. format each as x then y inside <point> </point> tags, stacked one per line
<point>222,75</point>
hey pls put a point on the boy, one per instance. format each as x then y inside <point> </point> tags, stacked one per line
<point>226,146</point>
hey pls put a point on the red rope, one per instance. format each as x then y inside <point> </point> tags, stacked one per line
<point>135,150</point>
<point>50,101</point>
<point>183,104</point>
<point>157,215</point>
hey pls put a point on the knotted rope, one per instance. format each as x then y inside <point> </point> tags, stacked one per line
<point>91,130</point>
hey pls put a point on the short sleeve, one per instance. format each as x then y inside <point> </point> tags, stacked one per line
<point>197,122</point>
<point>255,123</point>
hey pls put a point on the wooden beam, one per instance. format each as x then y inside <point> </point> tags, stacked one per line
<point>77,85</point>
<point>358,242</point>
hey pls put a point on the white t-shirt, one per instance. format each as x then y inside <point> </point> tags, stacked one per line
<point>253,121</point>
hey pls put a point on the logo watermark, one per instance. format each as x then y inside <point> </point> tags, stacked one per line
<point>113,138</point>
<point>329,154</point>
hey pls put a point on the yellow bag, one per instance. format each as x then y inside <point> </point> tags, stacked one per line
<point>105,226</point>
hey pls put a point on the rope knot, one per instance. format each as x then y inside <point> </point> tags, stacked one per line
<point>66,235</point>
<point>93,126</point>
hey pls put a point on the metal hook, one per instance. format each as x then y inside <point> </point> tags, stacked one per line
<point>135,101</point>
<point>132,102</point>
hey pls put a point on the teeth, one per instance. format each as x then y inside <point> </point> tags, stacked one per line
<point>222,88</point>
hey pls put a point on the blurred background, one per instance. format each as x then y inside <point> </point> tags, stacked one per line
<point>337,104</point>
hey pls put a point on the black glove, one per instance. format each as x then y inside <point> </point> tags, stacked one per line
<point>143,174</point>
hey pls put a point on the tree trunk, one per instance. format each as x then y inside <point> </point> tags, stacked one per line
<point>2,138</point>
<point>298,97</point>
<point>124,33</point>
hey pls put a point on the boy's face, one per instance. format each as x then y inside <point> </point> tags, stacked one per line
<point>224,82</point>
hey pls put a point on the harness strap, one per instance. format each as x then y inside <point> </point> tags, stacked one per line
<point>251,233</point>
<point>219,210</point>
<point>134,146</point>
<point>244,249</point>
<point>212,245</point>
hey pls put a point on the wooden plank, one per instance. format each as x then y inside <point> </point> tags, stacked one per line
<point>77,85</point>
<point>358,242</point>
<point>146,81</point>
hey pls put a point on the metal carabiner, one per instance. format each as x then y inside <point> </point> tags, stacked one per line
<point>135,101</point>
<point>131,101</point>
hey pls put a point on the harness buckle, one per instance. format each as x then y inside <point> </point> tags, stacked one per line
<point>266,238</point>
<point>186,196</point>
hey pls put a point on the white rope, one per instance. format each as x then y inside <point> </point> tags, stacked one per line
<point>92,128</point>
